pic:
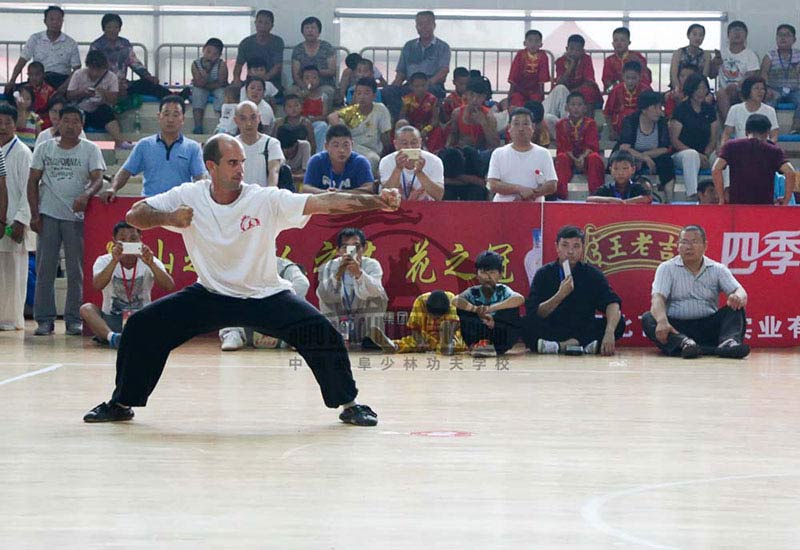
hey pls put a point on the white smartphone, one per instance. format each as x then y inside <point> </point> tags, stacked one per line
<point>412,154</point>
<point>567,270</point>
<point>351,250</point>
<point>132,248</point>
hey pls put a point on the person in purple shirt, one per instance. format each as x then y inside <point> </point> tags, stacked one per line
<point>753,162</point>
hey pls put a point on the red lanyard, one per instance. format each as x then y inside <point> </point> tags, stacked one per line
<point>129,291</point>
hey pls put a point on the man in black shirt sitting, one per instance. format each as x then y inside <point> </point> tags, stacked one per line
<point>564,297</point>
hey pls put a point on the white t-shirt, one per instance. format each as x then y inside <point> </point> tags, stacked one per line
<point>267,114</point>
<point>255,167</point>
<point>736,65</point>
<point>47,135</point>
<point>530,169</point>
<point>738,115</point>
<point>269,91</point>
<point>232,246</point>
<point>433,168</point>
<point>138,281</point>
<point>368,133</point>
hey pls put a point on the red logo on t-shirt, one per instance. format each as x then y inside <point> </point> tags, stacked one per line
<point>249,222</point>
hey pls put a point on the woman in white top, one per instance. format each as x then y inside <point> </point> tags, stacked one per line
<point>754,90</point>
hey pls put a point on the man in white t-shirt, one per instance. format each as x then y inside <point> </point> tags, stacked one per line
<point>229,229</point>
<point>737,62</point>
<point>258,147</point>
<point>126,280</point>
<point>521,170</point>
<point>418,174</point>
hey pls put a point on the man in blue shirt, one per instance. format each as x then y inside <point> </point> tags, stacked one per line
<point>338,168</point>
<point>167,159</point>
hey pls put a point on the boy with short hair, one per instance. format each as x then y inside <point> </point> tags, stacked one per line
<point>622,190</point>
<point>578,147</point>
<point>489,311</point>
<point>541,130</point>
<point>574,70</point>
<point>338,168</point>
<point>420,107</point>
<point>209,76</point>
<point>42,92</point>
<point>125,281</point>
<point>299,124</point>
<point>316,103</point>
<point>455,99</point>
<point>364,69</point>
<point>258,67</point>
<point>529,71</point>
<point>472,124</point>
<point>614,63</point>
<point>434,326</point>
<point>738,63</point>
<point>296,152</point>
<point>623,99</point>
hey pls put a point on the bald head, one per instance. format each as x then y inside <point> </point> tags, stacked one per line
<point>246,107</point>
<point>217,145</point>
<point>247,119</point>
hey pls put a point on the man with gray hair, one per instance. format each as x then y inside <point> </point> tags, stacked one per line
<point>684,317</point>
<point>229,228</point>
<point>418,174</point>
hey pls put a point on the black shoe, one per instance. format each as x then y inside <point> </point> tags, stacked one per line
<point>733,351</point>
<point>108,412</point>
<point>359,415</point>
<point>690,349</point>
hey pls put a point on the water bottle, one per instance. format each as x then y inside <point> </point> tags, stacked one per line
<point>137,123</point>
<point>533,259</point>
<point>344,330</point>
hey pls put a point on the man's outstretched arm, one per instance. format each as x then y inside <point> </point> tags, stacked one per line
<point>345,203</point>
<point>143,216</point>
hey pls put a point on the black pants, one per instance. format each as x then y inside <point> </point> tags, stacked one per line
<point>504,334</point>
<point>709,332</point>
<point>55,79</point>
<point>464,192</point>
<point>157,329</point>
<point>145,87</point>
<point>99,117</point>
<point>534,327</point>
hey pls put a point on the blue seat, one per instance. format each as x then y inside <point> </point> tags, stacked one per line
<point>789,137</point>
<point>703,172</point>
<point>785,107</point>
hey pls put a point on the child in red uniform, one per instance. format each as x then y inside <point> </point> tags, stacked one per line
<point>623,98</point>
<point>420,108</point>
<point>42,92</point>
<point>529,71</point>
<point>473,125</point>
<point>578,145</point>
<point>613,64</point>
<point>575,71</point>
<point>455,99</point>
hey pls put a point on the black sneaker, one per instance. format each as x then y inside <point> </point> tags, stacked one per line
<point>108,412</point>
<point>359,415</point>
<point>733,350</point>
<point>690,349</point>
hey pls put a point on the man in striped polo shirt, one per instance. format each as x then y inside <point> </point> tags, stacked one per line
<point>684,317</point>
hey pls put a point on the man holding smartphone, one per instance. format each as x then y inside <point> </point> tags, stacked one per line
<point>126,277</point>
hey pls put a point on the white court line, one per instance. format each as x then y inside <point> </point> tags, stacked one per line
<point>591,510</point>
<point>32,373</point>
<point>290,452</point>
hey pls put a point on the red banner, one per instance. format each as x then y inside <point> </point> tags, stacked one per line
<point>428,246</point>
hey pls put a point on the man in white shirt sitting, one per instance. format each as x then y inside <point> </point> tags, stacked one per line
<point>229,229</point>
<point>418,174</point>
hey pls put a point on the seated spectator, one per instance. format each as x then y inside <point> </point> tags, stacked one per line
<point>529,72</point>
<point>434,326</point>
<point>166,159</point>
<point>489,311</point>
<point>562,304</point>
<point>622,190</point>
<point>707,193</point>
<point>263,153</point>
<point>426,54</point>
<point>121,56</point>
<point>578,148</point>
<point>472,124</point>
<point>421,110</point>
<point>316,104</point>
<point>541,129</point>
<point>15,215</point>
<point>738,63</point>
<point>209,76</point>
<point>692,54</point>
<point>296,153</point>
<point>753,162</point>
<point>418,174</point>
<point>254,88</point>
<point>261,45</point>
<point>232,339</point>
<point>230,99</point>
<point>693,133</point>
<point>365,69</point>
<point>521,171</point>
<point>622,101</point>
<point>645,135</point>
<point>299,124</point>
<point>455,99</point>
<point>54,106</point>
<point>29,125</point>
<point>614,63</point>
<point>464,174</point>
<point>258,68</point>
<point>125,280</point>
<point>369,122</point>
<point>313,52</point>
<point>684,317</point>
<point>781,69</point>
<point>41,91</point>
<point>675,96</point>
<point>351,288</point>
<point>338,168</point>
<point>754,90</point>
<point>95,88</point>
<point>574,73</point>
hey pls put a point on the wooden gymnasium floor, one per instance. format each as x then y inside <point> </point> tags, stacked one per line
<point>236,450</point>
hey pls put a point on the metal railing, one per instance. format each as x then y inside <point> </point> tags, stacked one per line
<point>496,63</point>
<point>11,51</point>
<point>174,61</point>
